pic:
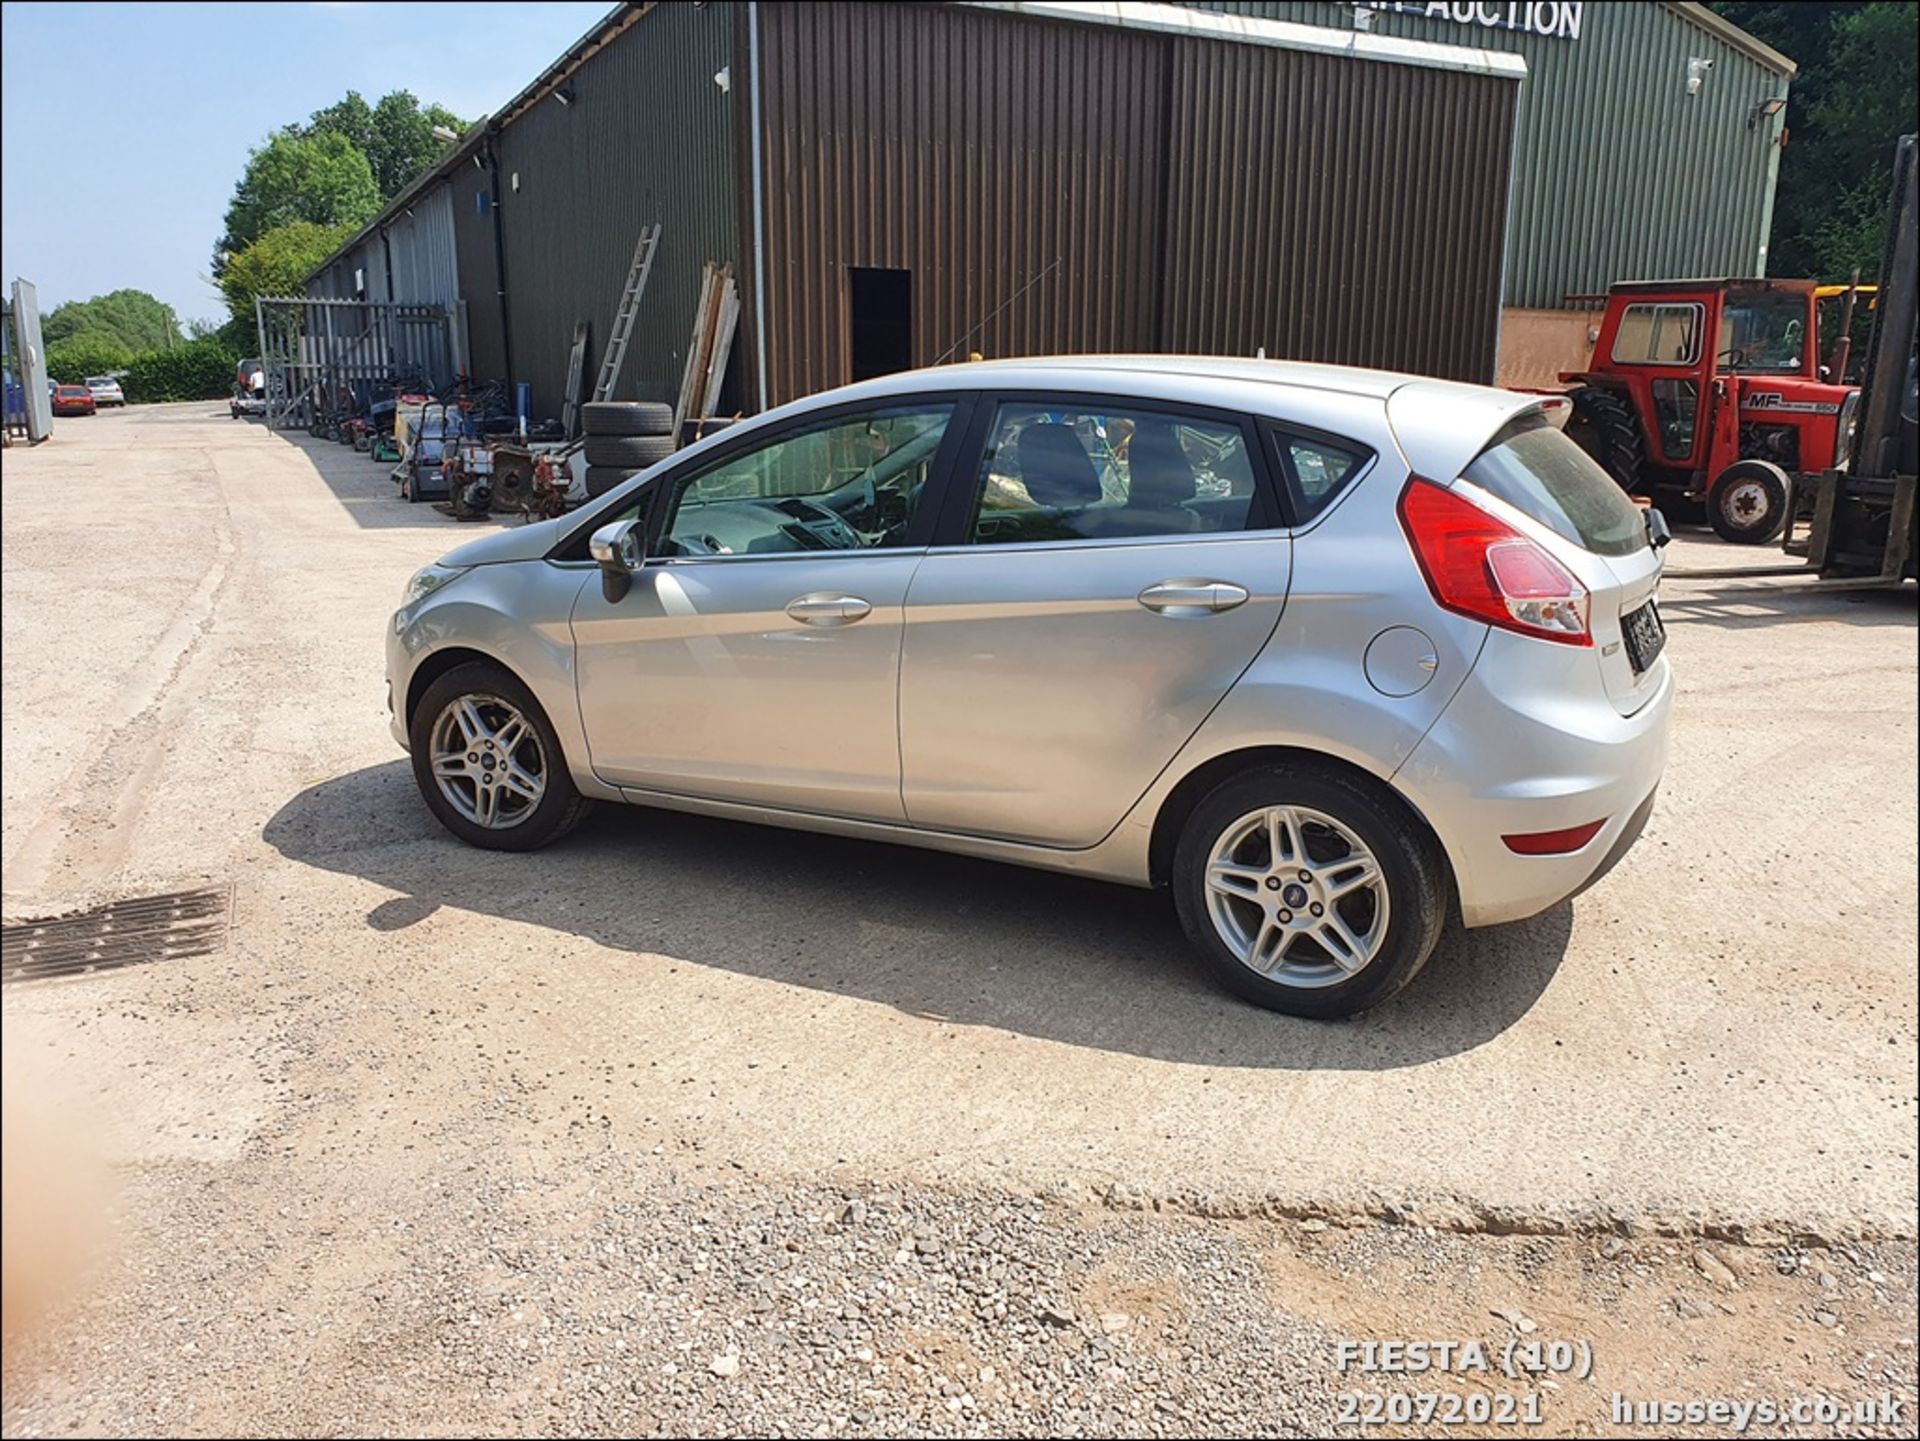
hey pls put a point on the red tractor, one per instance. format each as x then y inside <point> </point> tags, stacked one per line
<point>1713,391</point>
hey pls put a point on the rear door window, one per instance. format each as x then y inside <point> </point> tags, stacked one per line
<point>1104,471</point>
<point>1538,471</point>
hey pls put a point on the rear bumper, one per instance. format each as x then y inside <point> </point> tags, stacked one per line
<point>1520,752</point>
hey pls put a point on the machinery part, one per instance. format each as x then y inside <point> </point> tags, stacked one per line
<point>631,452</point>
<point>603,478</point>
<point>1747,503</point>
<point>1603,425</point>
<point>551,482</point>
<point>626,417</point>
<point>512,479</point>
<point>1777,443</point>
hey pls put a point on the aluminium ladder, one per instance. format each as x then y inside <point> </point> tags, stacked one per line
<point>623,315</point>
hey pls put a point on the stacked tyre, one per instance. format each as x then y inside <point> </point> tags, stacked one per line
<point>624,437</point>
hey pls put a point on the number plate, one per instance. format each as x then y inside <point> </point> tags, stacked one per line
<point>1645,634</point>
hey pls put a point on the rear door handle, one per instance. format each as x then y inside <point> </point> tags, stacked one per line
<point>824,609</point>
<point>1192,597</point>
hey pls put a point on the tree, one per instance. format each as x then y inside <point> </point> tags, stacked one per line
<point>132,317</point>
<point>92,352</point>
<point>323,180</point>
<point>1852,97</point>
<point>395,135</point>
<point>277,263</point>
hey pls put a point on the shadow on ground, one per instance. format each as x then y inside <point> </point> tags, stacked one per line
<point>366,491</point>
<point>944,937</point>
<point>1754,604</point>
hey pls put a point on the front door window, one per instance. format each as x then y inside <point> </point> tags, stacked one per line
<point>852,484</point>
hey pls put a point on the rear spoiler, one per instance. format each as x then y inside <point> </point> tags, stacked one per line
<point>1442,426</point>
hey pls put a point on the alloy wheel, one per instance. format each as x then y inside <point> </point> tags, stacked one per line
<point>488,761</point>
<point>1297,896</point>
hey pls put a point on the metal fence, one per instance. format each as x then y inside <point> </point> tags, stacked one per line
<point>317,353</point>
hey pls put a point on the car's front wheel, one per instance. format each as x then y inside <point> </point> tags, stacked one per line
<point>487,760</point>
<point>1308,891</point>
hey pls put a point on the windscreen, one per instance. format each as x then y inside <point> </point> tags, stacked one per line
<point>1534,468</point>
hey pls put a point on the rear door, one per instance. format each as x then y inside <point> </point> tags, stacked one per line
<point>1108,569</point>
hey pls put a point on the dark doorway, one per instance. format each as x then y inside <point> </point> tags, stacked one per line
<point>880,328</point>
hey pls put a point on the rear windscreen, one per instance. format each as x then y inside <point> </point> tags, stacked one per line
<point>1537,470</point>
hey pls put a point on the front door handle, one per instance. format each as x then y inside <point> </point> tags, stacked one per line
<point>1192,597</point>
<point>824,609</point>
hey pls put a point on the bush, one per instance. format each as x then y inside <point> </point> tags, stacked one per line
<point>198,370</point>
<point>71,361</point>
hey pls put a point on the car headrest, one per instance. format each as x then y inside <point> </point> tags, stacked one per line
<point>1055,467</point>
<point>1160,475</point>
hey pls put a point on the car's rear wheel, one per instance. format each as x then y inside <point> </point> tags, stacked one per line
<point>1308,891</point>
<point>488,762</point>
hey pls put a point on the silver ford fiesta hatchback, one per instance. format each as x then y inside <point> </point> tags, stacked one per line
<point>1324,651</point>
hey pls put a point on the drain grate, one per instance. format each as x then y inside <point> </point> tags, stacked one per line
<point>125,933</point>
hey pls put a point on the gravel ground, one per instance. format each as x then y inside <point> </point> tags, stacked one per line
<point>618,1294</point>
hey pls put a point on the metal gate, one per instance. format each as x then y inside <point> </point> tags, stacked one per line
<point>27,364</point>
<point>317,352</point>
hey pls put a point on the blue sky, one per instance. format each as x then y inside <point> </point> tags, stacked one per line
<point>124,127</point>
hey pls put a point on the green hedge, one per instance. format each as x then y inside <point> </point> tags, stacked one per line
<point>198,370</point>
<point>71,362</point>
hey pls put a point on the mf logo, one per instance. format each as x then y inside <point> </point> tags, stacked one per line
<point>1774,400</point>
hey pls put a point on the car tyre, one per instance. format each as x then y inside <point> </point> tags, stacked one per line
<point>1342,818</point>
<point>626,417</point>
<point>602,478</point>
<point>496,692</point>
<point>627,452</point>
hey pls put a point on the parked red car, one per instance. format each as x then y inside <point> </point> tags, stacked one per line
<point>72,400</point>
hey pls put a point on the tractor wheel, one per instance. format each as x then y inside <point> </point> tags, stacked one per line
<point>1748,502</point>
<point>1603,425</point>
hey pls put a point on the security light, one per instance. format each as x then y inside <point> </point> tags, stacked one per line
<point>1765,109</point>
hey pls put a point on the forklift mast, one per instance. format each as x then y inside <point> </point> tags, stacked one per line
<point>1864,522</point>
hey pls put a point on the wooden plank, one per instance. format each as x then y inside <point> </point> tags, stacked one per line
<point>722,348</point>
<point>696,350</point>
<point>576,364</point>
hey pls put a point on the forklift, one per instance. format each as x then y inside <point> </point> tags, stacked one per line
<point>1861,530</point>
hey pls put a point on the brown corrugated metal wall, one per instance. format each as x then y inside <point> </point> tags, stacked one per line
<point>1197,195</point>
<point>955,146</point>
<point>1336,210</point>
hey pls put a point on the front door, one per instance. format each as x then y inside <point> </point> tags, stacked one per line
<point>1114,574</point>
<point>756,657</point>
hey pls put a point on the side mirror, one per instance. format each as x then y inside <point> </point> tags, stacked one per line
<point>1658,531</point>
<point>619,549</point>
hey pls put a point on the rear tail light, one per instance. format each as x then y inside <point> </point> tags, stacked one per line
<point>1553,843</point>
<point>1478,565</point>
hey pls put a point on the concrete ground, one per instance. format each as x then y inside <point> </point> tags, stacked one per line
<point>1720,1037</point>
